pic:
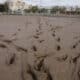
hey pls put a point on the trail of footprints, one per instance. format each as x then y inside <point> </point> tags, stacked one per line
<point>12,60</point>
<point>74,46</point>
<point>39,65</point>
<point>57,39</point>
<point>39,68</point>
<point>75,59</point>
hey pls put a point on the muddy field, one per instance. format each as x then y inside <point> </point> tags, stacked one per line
<point>39,48</point>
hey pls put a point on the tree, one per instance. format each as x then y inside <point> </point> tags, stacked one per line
<point>62,9</point>
<point>54,9</point>
<point>2,8</point>
<point>43,10</point>
<point>27,10</point>
<point>6,5</point>
<point>77,10</point>
<point>34,9</point>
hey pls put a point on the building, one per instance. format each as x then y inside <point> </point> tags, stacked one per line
<point>17,5</point>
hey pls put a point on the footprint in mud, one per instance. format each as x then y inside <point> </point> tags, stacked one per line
<point>58,39</point>
<point>39,71</point>
<point>50,25</point>
<point>74,59</point>
<point>39,33</point>
<point>21,49</point>
<point>78,41</point>
<point>19,29</point>
<point>34,48</point>
<point>53,34</point>
<point>76,71</point>
<point>7,41</point>
<point>1,35</point>
<point>37,30</point>
<point>14,34</point>
<point>49,76</point>
<point>43,70</point>
<point>36,37</point>
<point>62,58</point>
<point>2,45</point>
<point>40,41</point>
<point>39,62</point>
<point>52,29</point>
<point>76,44</point>
<point>11,59</point>
<point>31,72</point>
<point>58,47</point>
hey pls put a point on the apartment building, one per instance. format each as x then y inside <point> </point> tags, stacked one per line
<point>18,5</point>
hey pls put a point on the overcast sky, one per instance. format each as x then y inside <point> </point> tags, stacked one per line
<point>56,2</point>
<point>52,2</point>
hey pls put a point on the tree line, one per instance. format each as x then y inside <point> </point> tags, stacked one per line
<point>52,10</point>
<point>4,7</point>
